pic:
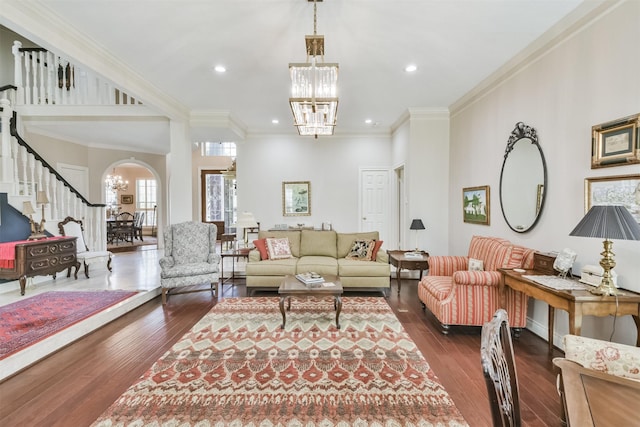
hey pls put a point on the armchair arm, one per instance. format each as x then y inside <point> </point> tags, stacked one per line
<point>446,265</point>
<point>477,278</point>
<point>166,262</point>
<point>214,258</point>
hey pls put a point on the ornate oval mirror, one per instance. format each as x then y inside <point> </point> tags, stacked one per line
<point>523,179</point>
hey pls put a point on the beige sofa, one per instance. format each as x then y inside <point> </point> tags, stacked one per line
<point>322,252</point>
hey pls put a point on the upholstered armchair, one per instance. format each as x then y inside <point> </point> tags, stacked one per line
<point>604,356</point>
<point>190,258</point>
<point>73,228</point>
<point>457,296</point>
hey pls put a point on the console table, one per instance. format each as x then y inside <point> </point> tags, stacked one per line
<point>38,258</point>
<point>577,303</point>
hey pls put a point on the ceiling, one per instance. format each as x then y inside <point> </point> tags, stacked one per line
<point>175,44</point>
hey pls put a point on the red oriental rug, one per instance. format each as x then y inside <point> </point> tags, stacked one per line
<point>33,319</point>
<point>237,367</point>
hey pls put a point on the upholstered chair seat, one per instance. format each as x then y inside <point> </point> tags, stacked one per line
<point>190,258</point>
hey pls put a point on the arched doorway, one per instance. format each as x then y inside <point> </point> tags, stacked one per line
<point>131,188</point>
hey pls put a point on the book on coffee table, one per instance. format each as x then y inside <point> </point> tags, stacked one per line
<point>309,278</point>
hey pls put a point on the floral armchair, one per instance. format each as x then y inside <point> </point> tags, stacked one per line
<point>458,296</point>
<point>190,258</point>
<point>610,357</point>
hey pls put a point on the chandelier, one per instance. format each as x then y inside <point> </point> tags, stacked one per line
<point>314,100</point>
<point>115,182</point>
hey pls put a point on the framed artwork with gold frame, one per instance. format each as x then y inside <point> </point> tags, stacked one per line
<point>126,199</point>
<point>613,190</point>
<point>475,205</point>
<point>616,143</point>
<point>296,198</point>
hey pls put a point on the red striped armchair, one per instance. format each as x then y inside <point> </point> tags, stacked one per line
<point>457,296</point>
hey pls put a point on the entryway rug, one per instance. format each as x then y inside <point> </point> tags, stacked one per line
<point>35,318</point>
<point>236,367</point>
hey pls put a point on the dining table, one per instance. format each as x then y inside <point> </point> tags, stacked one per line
<point>119,229</point>
<point>595,398</point>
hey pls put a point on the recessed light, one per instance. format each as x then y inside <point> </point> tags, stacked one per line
<point>410,68</point>
<point>368,121</point>
<point>220,69</point>
<point>275,121</point>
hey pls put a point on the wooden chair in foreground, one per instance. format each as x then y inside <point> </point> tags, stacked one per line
<point>73,227</point>
<point>498,366</point>
<point>190,258</point>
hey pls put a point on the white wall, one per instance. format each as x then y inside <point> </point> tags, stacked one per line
<point>589,78</point>
<point>331,164</point>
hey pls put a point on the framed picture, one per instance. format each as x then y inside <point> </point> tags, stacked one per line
<point>613,190</point>
<point>615,143</point>
<point>296,198</point>
<point>126,199</point>
<point>475,205</point>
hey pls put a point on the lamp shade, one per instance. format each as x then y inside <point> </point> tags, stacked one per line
<point>27,208</point>
<point>246,220</point>
<point>608,222</point>
<point>417,224</point>
<point>41,198</point>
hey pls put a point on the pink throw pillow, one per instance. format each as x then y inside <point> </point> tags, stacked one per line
<point>374,254</point>
<point>261,246</point>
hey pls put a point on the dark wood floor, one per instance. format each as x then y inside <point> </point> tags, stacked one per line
<point>75,385</point>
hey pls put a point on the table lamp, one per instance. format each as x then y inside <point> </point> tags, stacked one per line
<point>36,233</point>
<point>607,222</point>
<point>417,224</point>
<point>246,220</point>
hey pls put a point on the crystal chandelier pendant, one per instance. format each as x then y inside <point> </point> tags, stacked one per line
<point>314,98</point>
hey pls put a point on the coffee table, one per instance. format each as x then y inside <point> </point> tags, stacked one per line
<point>293,287</point>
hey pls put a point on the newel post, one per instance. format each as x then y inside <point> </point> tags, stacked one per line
<point>17,72</point>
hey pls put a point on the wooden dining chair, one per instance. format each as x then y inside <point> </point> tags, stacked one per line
<point>498,366</point>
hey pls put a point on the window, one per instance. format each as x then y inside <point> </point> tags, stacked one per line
<point>146,200</point>
<point>218,149</point>
<point>218,197</point>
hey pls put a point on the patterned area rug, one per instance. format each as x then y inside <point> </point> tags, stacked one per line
<point>236,367</point>
<point>33,319</point>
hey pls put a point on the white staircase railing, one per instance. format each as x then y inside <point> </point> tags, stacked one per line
<point>24,173</point>
<point>43,77</point>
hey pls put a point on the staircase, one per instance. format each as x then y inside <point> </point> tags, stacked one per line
<point>45,78</point>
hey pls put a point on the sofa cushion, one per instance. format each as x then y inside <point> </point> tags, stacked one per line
<point>318,243</point>
<point>345,241</point>
<point>352,268</point>
<point>278,248</point>
<point>318,264</point>
<point>292,235</point>
<point>272,267</point>
<point>361,250</point>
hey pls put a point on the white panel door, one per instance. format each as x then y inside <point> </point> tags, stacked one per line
<point>77,176</point>
<point>374,200</point>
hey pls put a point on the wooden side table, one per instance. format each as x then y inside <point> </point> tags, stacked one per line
<point>400,260</point>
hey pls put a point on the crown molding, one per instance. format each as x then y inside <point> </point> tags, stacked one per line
<point>36,21</point>
<point>579,19</point>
